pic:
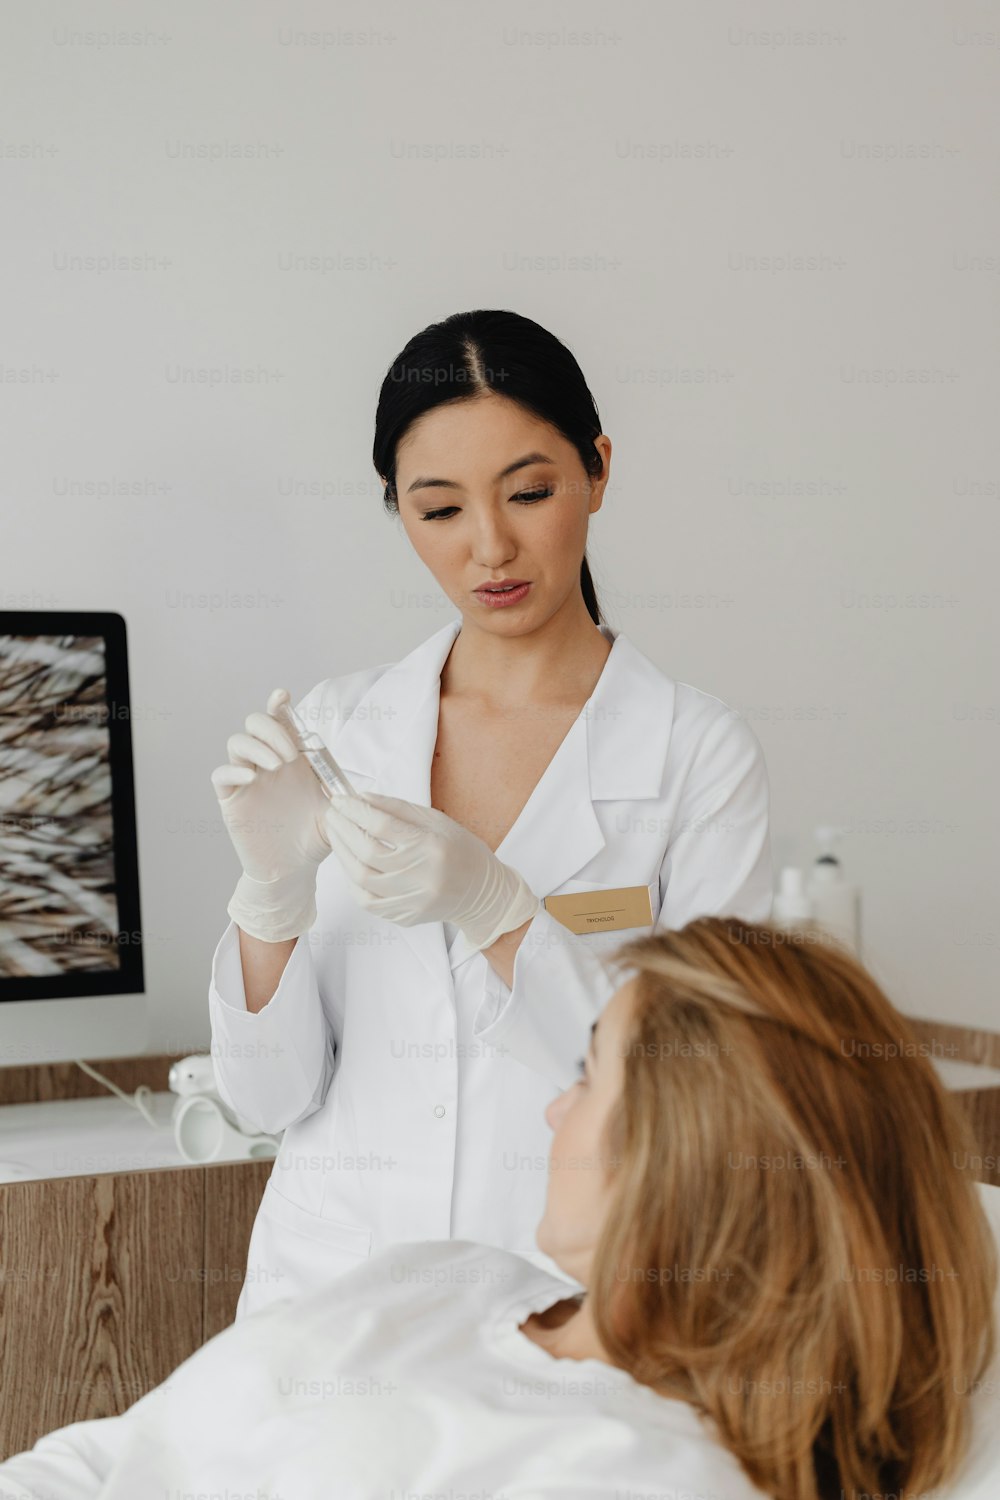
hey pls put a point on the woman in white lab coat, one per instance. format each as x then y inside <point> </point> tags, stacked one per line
<point>533,789</point>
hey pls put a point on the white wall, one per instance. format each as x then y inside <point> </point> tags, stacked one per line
<point>675,143</point>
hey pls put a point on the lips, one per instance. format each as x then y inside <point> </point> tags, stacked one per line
<point>502,596</point>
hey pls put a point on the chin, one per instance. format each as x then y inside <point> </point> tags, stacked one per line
<point>558,1248</point>
<point>545,1241</point>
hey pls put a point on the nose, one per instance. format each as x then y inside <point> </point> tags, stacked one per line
<point>491,544</point>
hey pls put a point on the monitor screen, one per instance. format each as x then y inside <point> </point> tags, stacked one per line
<point>69,894</point>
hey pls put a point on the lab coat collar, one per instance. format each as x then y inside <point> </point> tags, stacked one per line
<point>616,749</point>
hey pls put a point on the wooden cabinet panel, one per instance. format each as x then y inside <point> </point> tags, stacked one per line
<point>109,1282</point>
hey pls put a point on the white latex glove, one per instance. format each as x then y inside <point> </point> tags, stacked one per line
<point>273,806</point>
<point>434,871</point>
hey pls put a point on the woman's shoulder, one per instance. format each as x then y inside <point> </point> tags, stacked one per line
<point>712,734</point>
<point>696,706</point>
<point>334,699</point>
<point>337,698</point>
<point>692,708</point>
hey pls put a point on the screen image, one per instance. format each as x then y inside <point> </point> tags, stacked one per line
<point>67,855</point>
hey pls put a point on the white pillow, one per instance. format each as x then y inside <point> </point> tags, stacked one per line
<point>979,1478</point>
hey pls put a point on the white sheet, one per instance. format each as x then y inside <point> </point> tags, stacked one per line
<point>980,1476</point>
<point>325,1396</point>
<point>320,1395</point>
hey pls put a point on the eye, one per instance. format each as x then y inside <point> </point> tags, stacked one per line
<point>581,1068</point>
<point>531,497</point>
<point>524,497</point>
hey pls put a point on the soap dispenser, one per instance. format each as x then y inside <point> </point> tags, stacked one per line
<point>836,903</point>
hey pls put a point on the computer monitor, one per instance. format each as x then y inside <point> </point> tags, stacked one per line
<point>71,947</point>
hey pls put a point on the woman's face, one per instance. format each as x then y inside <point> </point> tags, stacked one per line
<point>581,1169</point>
<point>484,524</point>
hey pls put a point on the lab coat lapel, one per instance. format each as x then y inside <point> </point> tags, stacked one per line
<point>616,748</point>
<point>387,746</point>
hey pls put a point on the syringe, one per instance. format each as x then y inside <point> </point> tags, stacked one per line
<point>332,778</point>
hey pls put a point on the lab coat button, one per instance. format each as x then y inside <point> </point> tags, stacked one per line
<point>439,1110</point>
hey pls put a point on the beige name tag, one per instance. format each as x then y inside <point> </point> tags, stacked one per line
<point>602,911</point>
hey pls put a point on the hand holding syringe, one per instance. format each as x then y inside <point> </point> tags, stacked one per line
<point>433,870</point>
<point>273,810</point>
<point>332,778</point>
<point>328,773</point>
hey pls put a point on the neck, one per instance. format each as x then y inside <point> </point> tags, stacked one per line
<point>561,660</point>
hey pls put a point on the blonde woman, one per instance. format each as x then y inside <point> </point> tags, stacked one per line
<point>788,1276</point>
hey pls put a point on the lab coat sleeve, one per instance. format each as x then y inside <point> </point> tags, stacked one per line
<point>717,863</point>
<point>273,1066</point>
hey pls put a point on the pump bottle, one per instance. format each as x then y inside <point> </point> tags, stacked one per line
<point>791,908</point>
<point>835,902</point>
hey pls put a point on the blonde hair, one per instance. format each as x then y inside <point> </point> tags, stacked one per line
<point>795,1245</point>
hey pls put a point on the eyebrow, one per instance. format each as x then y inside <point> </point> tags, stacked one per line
<point>450,484</point>
<point>593,1038</point>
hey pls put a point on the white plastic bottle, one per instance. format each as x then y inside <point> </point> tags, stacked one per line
<point>836,903</point>
<point>791,908</point>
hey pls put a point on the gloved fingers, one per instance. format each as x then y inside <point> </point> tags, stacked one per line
<point>247,750</point>
<point>370,888</point>
<point>276,698</point>
<point>423,819</point>
<point>226,779</point>
<point>390,882</point>
<point>360,813</point>
<point>363,845</point>
<point>263,727</point>
<point>392,819</point>
<point>353,866</point>
<point>398,911</point>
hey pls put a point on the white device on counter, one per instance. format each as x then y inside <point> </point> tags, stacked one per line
<point>205,1129</point>
<point>192,1075</point>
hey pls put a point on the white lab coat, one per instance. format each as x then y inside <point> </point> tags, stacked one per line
<point>410,1085</point>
